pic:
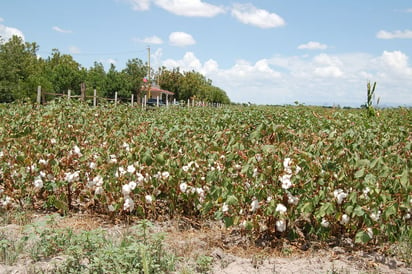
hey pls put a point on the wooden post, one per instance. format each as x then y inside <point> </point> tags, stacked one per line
<point>38,94</point>
<point>115,98</point>
<point>157,100</point>
<point>69,92</point>
<point>188,102</point>
<point>132,100</point>
<point>82,91</point>
<point>94,97</point>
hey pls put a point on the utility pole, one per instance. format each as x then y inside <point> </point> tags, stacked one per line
<point>148,74</point>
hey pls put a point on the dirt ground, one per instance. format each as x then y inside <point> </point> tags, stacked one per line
<point>229,251</point>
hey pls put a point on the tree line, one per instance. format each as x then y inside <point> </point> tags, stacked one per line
<point>22,71</point>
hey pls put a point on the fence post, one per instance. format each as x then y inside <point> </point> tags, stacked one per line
<point>38,94</point>
<point>132,99</point>
<point>157,101</point>
<point>94,97</point>
<point>69,92</point>
<point>82,91</point>
<point>115,98</point>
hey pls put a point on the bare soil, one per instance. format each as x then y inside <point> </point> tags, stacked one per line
<point>229,250</point>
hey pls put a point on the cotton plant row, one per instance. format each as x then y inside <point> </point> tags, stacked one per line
<point>286,171</point>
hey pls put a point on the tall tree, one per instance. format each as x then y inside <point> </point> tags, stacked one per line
<point>135,71</point>
<point>18,62</point>
<point>64,72</point>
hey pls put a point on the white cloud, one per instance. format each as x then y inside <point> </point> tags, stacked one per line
<point>55,28</point>
<point>74,50</point>
<point>397,62</point>
<point>313,45</point>
<point>1,19</point>
<point>249,14</point>
<point>397,34</point>
<point>191,8</point>
<point>7,32</point>
<point>181,39</point>
<point>139,5</point>
<point>151,40</point>
<point>323,79</point>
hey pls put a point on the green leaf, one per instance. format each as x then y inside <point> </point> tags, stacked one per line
<point>404,179</point>
<point>358,211</point>
<point>391,210</point>
<point>360,173</point>
<point>228,221</point>
<point>362,237</point>
<point>231,200</point>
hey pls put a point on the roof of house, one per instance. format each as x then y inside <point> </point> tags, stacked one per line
<point>161,90</point>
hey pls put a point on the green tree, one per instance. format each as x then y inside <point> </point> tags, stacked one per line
<point>18,66</point>
<point>96,79</point>
<point>170,80</point>
<point>64,72</point>
<point>117,82</point>
<point>135,71</point>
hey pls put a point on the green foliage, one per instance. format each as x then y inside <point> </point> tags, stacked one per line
<point>369,102</point>
<point>321,172</point>
<point>22,71</point>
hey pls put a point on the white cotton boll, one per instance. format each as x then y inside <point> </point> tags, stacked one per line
<point>111,208</point>
<point>92,165</point>
<point>225,207</point>
<point>258,157</point>
<point>38,183</point>
<point>286,163</point>
<point>140,177</point>
<point>98,190</point>
<point>238,167</point>
<point>254,205</point>
<point>281,208</point>
<point>340,195</point>
<point>285,180</point>
<point>345,219</point>
<point>132,185</point>
<point>280,225</point>
<point>128,204</point>
<point>185,168</point>
<point>131,169</point>
<point>76,150</point>
<point>122,171</point>
<point>269,199</point>
<point>183,187</point>
<point>98,180</point>
<point>126,190</point>
<point>325,223</point>
<point>113,159</point>
<point>369,231</point>
<point>165,175</point>
<point>53,141</point>
<point>148,199</point>
<point>407,216</point>
<point>43,174</point>
<point>42,162</point>
<point>292,200</point>
<point>72,177</point>
<point>375,216</point>
<point>200,191</point>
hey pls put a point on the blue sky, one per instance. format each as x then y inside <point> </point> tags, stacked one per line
<point>266,52</point>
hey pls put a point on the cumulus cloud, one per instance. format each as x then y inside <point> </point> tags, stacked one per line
<point>322,79</point>
<point>397,61</point>
<point>191,8</point>
<point>151,40</point>
<point>7,32</point>
<point>181,39</point>
<point>397,34</point>
<point>138,5</point>
<point>55,28</point>
<point>312,45</point>
<point>249,14</point>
